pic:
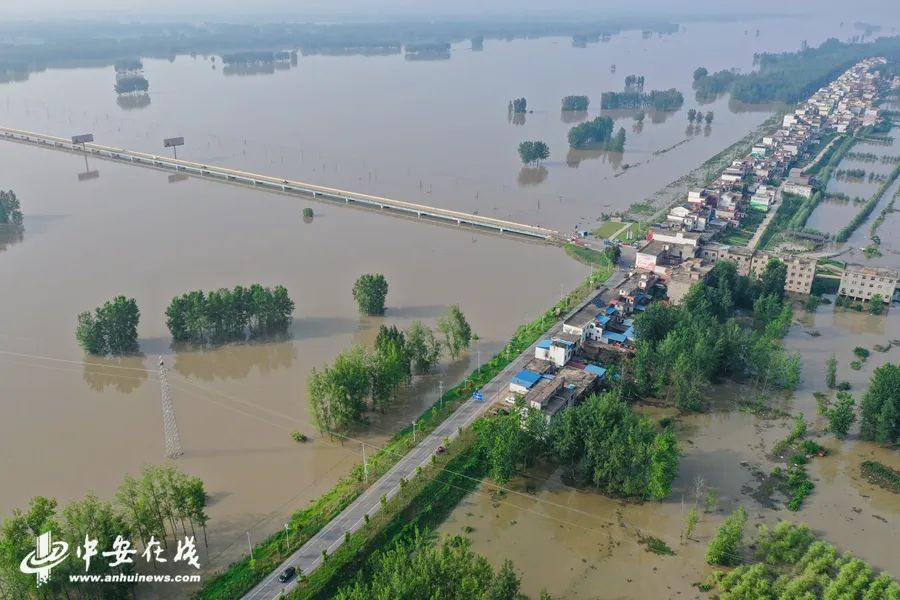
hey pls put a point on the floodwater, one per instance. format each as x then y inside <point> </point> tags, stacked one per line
<point>435,132</point>
<point>590,546</point>
<point>74,425</point>
<point>431,131</point>
<point>832,213</point>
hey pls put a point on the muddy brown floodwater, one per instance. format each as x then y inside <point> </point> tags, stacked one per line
<point>434,132</point>
<point>580,544</point>
<point>73,425</point>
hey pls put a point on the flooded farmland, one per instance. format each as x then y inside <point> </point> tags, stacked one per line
<point>848,193</point>
<point>133,232</point>
<point>592,546</point>
<point>434,132</point>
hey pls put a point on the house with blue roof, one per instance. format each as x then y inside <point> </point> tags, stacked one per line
<point>557,350</point>
<point>523,381</point>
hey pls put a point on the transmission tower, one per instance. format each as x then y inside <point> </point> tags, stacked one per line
<point>173,440</point>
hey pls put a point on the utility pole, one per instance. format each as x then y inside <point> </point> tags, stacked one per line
<point>365,464</point>
<point>249,545</point>
<point>414,432</point>
<point>170,426</point>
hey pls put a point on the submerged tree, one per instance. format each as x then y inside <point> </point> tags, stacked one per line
<point>10,209</point>
<point>110,329</point>
<point>370,292</point>
<point>456,330</point>
<point>423,348</point>
<point>841,415</point>
<point>533,152</point>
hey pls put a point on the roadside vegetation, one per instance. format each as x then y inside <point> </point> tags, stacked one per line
<point>242,575</point>
<point>358,380</point>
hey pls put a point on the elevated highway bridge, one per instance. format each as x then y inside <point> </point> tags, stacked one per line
<point>281,185</point>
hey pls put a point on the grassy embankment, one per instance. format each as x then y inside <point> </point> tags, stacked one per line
<point>422,504</point>
<point>242,575</point>
<point>875,240</point>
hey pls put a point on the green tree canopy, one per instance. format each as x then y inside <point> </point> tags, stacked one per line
<point>450,570</point>
<point>456,330</point>
<point>370,292</point>
<point>841,415</point>
<point>111,329</point>
<point>533,152</point>
<point>225,315</point>
<point>724,548</point>
<point>880,407</point>
<point>595,133</point>
<point>10,209</point>
<point>575,103</point>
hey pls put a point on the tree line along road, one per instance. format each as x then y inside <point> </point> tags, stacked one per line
<point>329,538</point>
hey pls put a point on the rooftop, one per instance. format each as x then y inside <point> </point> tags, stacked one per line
<point>527,379</point>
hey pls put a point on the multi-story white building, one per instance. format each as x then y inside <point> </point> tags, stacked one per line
<point>861,283</point>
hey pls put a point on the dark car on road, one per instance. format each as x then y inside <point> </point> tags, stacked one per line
<point>287,574</point>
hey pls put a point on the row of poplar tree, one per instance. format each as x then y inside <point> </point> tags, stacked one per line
<point>198,317</point>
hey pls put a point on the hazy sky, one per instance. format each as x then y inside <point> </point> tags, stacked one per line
<point>212,10</point>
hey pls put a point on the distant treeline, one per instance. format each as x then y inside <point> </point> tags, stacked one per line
<point>709,86</point>
<point>661,100</point>
<point>793,76</point>
<point>74,43</point>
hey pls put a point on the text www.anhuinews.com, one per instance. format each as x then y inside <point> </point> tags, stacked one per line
<point>134,578</point>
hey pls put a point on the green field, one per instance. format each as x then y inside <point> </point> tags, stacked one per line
<point>607,229</point>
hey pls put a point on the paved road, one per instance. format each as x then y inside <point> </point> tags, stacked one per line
<point>329,538</point>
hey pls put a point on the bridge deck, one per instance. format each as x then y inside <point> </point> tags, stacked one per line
<point>279,184</point>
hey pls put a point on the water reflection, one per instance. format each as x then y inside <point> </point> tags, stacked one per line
<point>572,116</point>
<point>10,236</point>
<point>133,101</point>
<point>234,361</point>
<point>240,69</point>
<point>575,157</point>
<point>532,176</point>
<point>124,374</point>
